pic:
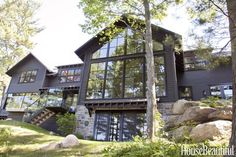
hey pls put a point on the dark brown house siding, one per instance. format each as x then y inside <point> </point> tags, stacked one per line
<point>201,80</point>
<point>29,63</point>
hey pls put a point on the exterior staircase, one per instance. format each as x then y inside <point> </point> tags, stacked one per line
<point>42,116</point>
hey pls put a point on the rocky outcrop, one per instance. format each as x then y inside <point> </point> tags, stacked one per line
<point>69,141</point>
<point>215,130</point>
<point>180,106</point>
<point>197,114</point>
<point>222,114</point>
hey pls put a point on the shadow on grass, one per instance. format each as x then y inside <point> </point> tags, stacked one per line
<point>28,139</point>
<point>84,149</point>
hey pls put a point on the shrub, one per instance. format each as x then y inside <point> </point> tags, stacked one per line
<point>211,101</point>
<point>161,148</point>
<point>66,123</point>
<point>5,133</point>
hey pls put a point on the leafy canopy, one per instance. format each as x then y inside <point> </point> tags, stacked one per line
<point>17,26</point>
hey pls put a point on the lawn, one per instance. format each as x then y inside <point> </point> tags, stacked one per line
<point>26,140</point>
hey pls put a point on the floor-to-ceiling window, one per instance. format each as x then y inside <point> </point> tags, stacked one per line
<point>118,69</point>
<point>119,126</point>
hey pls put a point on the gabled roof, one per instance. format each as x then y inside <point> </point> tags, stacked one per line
<point>49,68</point>
<point>160,32</point>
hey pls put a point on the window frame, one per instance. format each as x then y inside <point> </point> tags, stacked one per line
<point>67,75</point>
<point>30,77</point>
<point>186,98</point>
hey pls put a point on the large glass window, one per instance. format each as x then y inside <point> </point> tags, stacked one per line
<point>134,78</point>
<point>119,126</point>
<point>28,76</point>
<point>23,101</point>
<point>70,75</point>
<point>160,76</point>
<point>123,79</point>
<point>114,79</point>
<point>54,97</point>
<point>96,81</point>
<point>194,63</point>
<point>222,91</point>
<point>101,132</point>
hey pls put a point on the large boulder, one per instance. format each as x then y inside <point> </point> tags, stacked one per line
<point>170,121</point>
<point>197,114</point>
<point>180,106</point>
<point>180,133</point>
<point>69,141</point>
<point>222,114</point>
<point>216,130</point>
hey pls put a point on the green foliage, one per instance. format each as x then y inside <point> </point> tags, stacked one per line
<point>141,148</point>
<point>5,133</point>
<point>160,148</point>
<point>17,27</point>
<point>66,123</point>
<point>211,101</point>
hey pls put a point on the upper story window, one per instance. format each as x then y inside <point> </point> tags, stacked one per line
<point>125,43</point>
<point>194,63</point>
<point>28,76</point>
<point>123,78</point>
<point>69,75</point>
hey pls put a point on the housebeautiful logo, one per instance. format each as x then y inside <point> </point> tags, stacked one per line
<point>205,150</point>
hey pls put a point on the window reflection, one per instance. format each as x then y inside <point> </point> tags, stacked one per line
<point>109,126</point>
<point>96,81</point>
<point>113,88</point>
<point>160,76</point>
<point>222,91</point>
<point>134,78</point>
<point>54,97</point>
<point>28,76</point>
<point>23,101</point>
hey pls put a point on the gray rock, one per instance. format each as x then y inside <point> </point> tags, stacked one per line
<point>222,114</point>
<point>170,121</point>
<point>196,113</point>
<point>216,130</point>
<point>69,141</point>
<point>180,106</point>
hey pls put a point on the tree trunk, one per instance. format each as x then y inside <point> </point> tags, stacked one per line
<point>231,7</point>
<point>151,92</point>
<point>3,96</point>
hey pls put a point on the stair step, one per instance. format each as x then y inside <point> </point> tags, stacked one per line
<point>42,117</point>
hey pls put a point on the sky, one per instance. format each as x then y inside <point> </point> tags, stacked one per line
<point>62,35</point>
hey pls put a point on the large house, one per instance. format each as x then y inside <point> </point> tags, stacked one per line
<point>107,92</point>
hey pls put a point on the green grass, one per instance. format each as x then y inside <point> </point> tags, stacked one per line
<point>27,140</point>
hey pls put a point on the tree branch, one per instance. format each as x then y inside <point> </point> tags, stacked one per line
<point>223,12</point>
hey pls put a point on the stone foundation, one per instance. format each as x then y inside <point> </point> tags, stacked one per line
<point>85,123</point>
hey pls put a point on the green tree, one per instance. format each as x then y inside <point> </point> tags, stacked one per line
<point>102,13</point>
<point>206,11</point>
<point>17,26</point>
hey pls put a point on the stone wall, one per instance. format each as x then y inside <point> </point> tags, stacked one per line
<point>85,123</point>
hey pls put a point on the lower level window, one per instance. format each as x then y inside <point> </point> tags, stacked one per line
<point>222,91</point>
<point>119,126</point>
<point>22,101</point>
<point>185,93</point>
